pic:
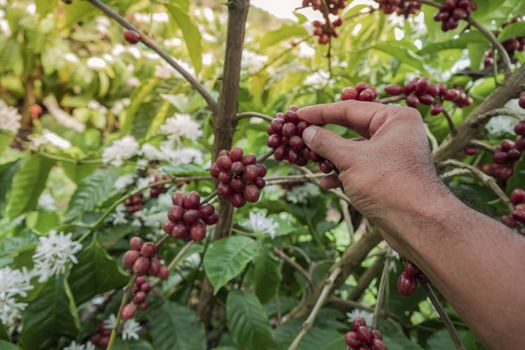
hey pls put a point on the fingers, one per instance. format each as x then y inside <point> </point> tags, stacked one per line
<point>364,117</point>
<point>328,144</point>
<point>330,181</point>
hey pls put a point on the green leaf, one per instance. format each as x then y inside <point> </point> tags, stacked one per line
<point>176,327</point>
<point>5,140</point>
<point>79,11</point>
<point>91,191</point>
<point>43,7</point>
<point>5,345</point>
<point>27,185</point>
<point>227,258</point>
<point>267,275</point>
<point>247,321</point>
<point>7,172</point>
<point>96,272</point>
<point>184,170</point>
<point>3,333</point>
<point>191,33</point>
<point>459,43</point>
<point>286,31</point>
<point>402,54</point>
<point>51,315</point>
<point>132,345</point>
<point>515,30</point>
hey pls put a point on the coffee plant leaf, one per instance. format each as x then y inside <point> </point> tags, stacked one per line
<point>267,274</point>
<point>30,179</point>
<point>132,345</point>
<point>51,315</point>
<point>227,258</point>
<point>6,345</point>
<point>96,272</point>
<point>176,327</point>
<point>247,321</point>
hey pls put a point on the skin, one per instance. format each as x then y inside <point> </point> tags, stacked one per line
<point>477,263</point>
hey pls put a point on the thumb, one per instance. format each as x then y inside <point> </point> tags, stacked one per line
<point>328,144</point>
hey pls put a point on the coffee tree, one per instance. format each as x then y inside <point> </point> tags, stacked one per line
<point>156,192</point>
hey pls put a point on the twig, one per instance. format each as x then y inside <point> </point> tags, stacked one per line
<point>451,125</point>
<point>481,145</point>
<point>212,103</point>
<point>307,325</point>
<point>432,138</point>
<point>337,192</point>
<point>443,315</point>
<point>123,303</point>
<point>454,172</point>
<point>365,279</point>
<point>209,197</point>
<point>391,99</point>
<point>295,265</point>
<point>176,259</point>
<point>489,181</point>
<point>381,290</point>
<point>507,65</point>
<point>348,219</point>
<point>265,156</point>
<point>253,115</point>
<point>70,160</point>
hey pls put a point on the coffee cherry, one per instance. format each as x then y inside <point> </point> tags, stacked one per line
<point>237,200</point>
<point>365,335</point>
<point>129,258</point>
<point>394,90</point>
<point>358,322</point>
<point>191,216</point>
<point>212,219</point>
<point>154,267</point>
<point>132,36</point>
<point>148,250</point>
<point>252,193</point>
<point>521,101</point>
<point>518,196</point>
<point>509,221</point>
<point>377,334</point>
<point>519,215</point>
<point>411,269</point>
<point>139,297</point>
<point>135,243</point>
<point>163,272</point>
<point>180,231</point>
<point>192,201</point>
<point>224,162</point>
<point>406,284</point>
<point>141,266</point>
<point>412,101</point>
<point>378,344</point>
<point>349,93</point>
<point>128,311</point>
<point>352,339</point>
<point>198,231</point>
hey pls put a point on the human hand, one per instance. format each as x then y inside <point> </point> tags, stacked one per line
<point>389,174</point>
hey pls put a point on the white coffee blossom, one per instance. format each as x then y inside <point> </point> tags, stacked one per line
<point>14,284</point>
<point>120,215</point>
<point>49,138</point>
<point>130,330</point>
<point>179,156</point>
<point>120,150</point>
<point>181,126</point>
<point>47,202</point>
<point>53,255</point>
<point>75,346</point>
<point>252,61</point>
<point>300,194</point>
<point>124,181</point>
<point>9,118</point>
<point>151,152</point>
<point>259,223</point>
<point>318,79</point>
<point>111,322</point>
<point>360,313</point>
<point>96,63</point>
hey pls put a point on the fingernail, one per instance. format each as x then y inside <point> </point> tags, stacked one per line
<point>309,134</point>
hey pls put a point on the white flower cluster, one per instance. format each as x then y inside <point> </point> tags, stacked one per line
<point>252,61</point>
<point>9,118</point>
<point>130,328</point>
<point>120,151</point>
<point>259,223</point>
<point>53,254</point>
<point>176,156</point>
<point>49,138</point>
<point>300,194</point>
<point>14,284</point>
<point>75,346</point>
<point>179,126</point>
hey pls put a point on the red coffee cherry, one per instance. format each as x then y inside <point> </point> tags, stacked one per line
<point>141,266</point>
<point>128,311</point>
<point>148,250</point>
<point>132,36</point>
<point>129,258</point>
<point>352,339</point>
<point>365,335</point>
<point>378,344</point>
<point>518,196</point>
<point>406,284</point>
<point>394,90</point>
<point>358,322</point>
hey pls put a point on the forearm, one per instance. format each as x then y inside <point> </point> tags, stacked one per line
<point>477,264</point>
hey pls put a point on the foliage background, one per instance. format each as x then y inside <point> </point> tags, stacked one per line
<point>79,57</point>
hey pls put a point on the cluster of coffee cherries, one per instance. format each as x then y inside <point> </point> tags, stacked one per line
<point>422,91</point>
<point>132,36</point>
<point>134,203</point>
<point>156,191</point>
<point>518,214</point>
<point>326,31</point>
<point>101,338</point>
<point>361,92</point>
<point>241,177</point>
<point>142,260</point>
<point>512,45</point>
<point>407,280</point>
<point>188,217</point>
<point>361,337</point>
<point>453,11</point>
<point>286,138</point>
<point>400,7</point>
<point>507,154</point>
